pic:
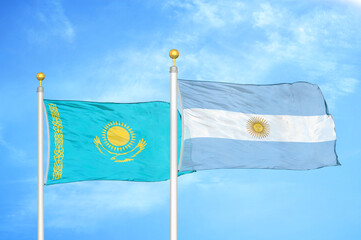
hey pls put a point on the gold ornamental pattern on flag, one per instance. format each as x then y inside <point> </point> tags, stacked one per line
<point>58,142</point>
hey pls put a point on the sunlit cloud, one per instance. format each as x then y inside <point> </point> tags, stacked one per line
<point>311,43</point>
<point>352,2</point>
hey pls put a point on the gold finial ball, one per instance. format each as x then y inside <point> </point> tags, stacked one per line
<point>173,53</point>
<point>40,76</point>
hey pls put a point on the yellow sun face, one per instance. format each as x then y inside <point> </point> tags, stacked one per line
<point>258,127</point>
<point>118,136</point>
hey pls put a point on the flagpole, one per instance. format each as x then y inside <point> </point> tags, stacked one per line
<point>173,148</point>
<point>40,76</point>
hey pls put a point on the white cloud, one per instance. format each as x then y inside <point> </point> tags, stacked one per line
<point>312,43</point>
<point>53,22</point>
<point>348,85</point>
<point>82,206</point>
<point>210,13</point>
<point>338,87</point>
<point>140,74</point>
<point>309,42</point>
<point>13,152</point>
<point>352,2</point>
<point>267,16</point>
<point>131,75</point>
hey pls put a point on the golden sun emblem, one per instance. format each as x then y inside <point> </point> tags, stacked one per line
<point>258,127</point>
<point>119,139</point>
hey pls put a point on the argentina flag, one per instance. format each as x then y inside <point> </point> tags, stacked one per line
<point>280,126</point>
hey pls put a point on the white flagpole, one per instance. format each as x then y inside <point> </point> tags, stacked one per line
<point>40,76</point>
<point>173,148</point>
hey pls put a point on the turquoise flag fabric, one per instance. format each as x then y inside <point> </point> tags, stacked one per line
<point>108,141</point>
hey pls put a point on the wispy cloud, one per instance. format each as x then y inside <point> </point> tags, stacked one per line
<point>268,16</point>
<point>124,75</point>
<point>13,152</point>
<point>52,21</point>
<point>337,88</point>
<point>356,3</point>
<point>314,45</point>
<point>82,206</point>
<point>210,14</point>
<point>309,43</point>
<point>140,75</point>
<point>96,201</point>
<point>234,42</point>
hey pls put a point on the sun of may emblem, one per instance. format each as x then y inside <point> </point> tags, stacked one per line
<point>118,142</point>
<point>258,127</point>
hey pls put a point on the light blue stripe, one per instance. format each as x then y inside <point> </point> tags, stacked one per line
<point>218,153</point>
<point>299,99</point>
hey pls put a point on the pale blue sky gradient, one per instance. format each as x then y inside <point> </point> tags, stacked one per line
<point>118,51</point>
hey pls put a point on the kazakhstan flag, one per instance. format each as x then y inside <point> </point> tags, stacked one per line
<point>108,141</point>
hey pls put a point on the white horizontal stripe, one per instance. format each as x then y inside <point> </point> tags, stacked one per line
<point>202,123</point>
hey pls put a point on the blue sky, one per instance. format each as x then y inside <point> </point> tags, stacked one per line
<point>118,51</point>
